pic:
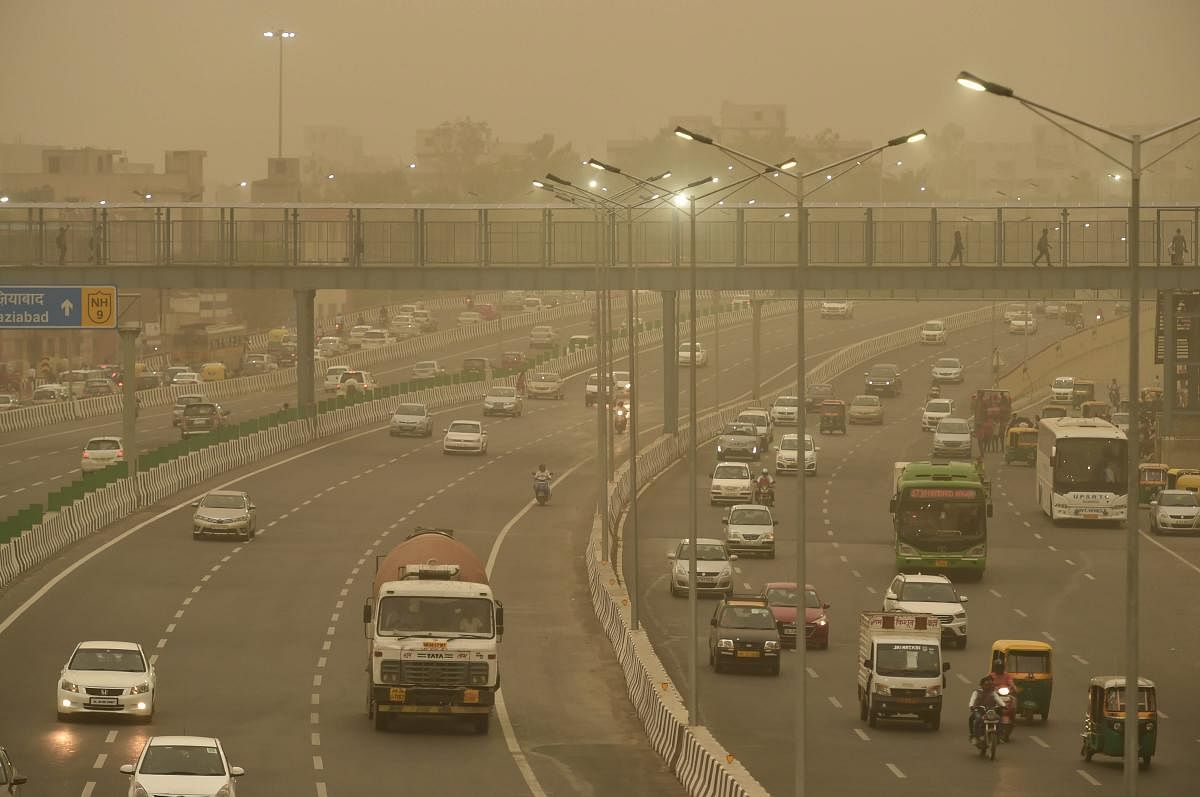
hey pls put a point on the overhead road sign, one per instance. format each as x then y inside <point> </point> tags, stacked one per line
<point>58,307</point>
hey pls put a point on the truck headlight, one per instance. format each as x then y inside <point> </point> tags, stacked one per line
<point>880,689</point>
<point>479,679</point>
<point>933,691</point>
<point>771,644</point>
<point>725,644</point>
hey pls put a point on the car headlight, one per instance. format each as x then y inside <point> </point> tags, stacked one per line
<point>880,689</point>
<point>933,691</point>
<point>140,689</point>
<point>771,644</point>
<point>140,791</point>
<point>960,615</point>
<point>725,644</point>
<point>770,535</point>
<point>822,621</point>
<point>224,791</point>
<point>720,449</point>
<point>69,686</point>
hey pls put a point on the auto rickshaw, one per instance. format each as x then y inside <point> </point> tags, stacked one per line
<point>833,416</point>
<point>1095,409</point>
<point>1152,477</point>
<point>1021,445</point>
<point>1052,411</point>
<point>1104,722</point>
<point>1028,661</point>
<point>1183,479</point>
<point>1152,398</point>
<point>1084,390</point>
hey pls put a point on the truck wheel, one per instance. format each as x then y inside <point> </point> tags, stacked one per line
<point>934,721</point>
<point>481,723</point>
<point>872,718</point>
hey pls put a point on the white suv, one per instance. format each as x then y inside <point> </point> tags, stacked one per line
<point>542,337</point>
<point>930,594</point>
<point>933,332</point>
<point>952,438</point>
<point>935,410</point>
<point>692,354</point>
<point>785,410</point>
<point>837,309</point>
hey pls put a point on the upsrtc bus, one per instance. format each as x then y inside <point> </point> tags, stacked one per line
<point>1081,473</point>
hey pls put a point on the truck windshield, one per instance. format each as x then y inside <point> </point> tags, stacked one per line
<point>406,615</point>
<point>908,659</point>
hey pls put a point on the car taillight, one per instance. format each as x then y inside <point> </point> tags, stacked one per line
<point>86,455</point>
<point>120,452</point>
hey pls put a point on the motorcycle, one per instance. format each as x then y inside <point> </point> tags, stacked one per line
<point>1079,324</point>
<point>1007,703</point>
<point>541,491</point>
<point>987,720</point>
<point>935,391</point>
<point>764,494</point>
<point>621,420</point>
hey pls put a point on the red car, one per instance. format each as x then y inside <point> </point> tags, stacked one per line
<point>781,597</point>
<point>514,359</point>
<point>487,312</point>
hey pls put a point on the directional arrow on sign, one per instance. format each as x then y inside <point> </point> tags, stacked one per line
<point>67,307</point>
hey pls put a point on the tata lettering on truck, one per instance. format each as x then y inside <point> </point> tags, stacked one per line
<point>901,673</point>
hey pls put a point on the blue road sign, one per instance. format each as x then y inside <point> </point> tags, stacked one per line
<point>58,307</point>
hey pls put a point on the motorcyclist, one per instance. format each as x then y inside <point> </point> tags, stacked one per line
<point>984,697</point>
<point>542,475</point>
<point>765,481</point>
<point>1000,677</point>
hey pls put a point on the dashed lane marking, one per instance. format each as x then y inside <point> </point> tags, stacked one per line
<point>1021,613</point>
<point>872,590</point>
<point>836,703</point>
<point>1048,636</point>
<point>1089,576</point>
<point>995,593</point>
<point>321,791</point>
<point>1079,659</point>
<point>1038,741</point>
<point>88,788</point>
<point>1068,561</point>
<point>811,672</point>
<point>1051,547</point>
<point>1087,777</point>
<point>100,759</point>
<point>896,770</point>
<point>111,737</point>
<point>860,733</point>
<point>318,764</point>
<point>315,739</point>
<point>962,678</point>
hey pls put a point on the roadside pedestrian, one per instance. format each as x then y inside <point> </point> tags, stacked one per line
<point>985,436</point>
<point>1178,248</point>
<point>958,250</point>
<point>60,241</point>
<point>1043,249</point>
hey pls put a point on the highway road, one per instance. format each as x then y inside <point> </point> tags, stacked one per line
<point>261,643</point>
<point>37,462</point>
<point>1064,585</point>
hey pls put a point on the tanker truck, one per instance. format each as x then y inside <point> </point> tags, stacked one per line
<point>433,632</point>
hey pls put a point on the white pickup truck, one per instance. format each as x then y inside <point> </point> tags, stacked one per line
<point>901,673</point>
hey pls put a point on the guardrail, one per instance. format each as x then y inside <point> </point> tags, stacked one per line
<point>697,759</point>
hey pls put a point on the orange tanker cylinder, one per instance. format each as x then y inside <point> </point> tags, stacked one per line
<point>430,547</point>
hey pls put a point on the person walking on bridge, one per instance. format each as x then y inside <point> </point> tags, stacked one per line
<point>1043,249</point>
<point>957,253</point>
<point>1178,248</point>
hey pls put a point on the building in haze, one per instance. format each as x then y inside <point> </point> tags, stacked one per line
<point>38,173</point>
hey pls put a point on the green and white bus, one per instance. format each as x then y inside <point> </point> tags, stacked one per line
<point>940,510</point>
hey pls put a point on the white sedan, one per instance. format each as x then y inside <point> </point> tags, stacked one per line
<point>467,437</point>
<point>106,678</point>
<point>947,369</point>
<point>191,765</point>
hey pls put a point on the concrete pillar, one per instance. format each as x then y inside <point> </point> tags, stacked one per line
<point>306,400</point>
<point>756,347</point>
<point>869,237</point>
<point>129,334</point>
<point>999,236</point>
<point>670,351</point>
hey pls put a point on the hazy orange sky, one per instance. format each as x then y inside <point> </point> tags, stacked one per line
<point>150,76</point>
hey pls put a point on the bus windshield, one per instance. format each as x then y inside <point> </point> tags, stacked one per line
<point>1087,465</point>
<point>945,523</point>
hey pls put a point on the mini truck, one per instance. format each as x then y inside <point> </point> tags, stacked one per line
<point>433,632</point>
<point>900,669</point>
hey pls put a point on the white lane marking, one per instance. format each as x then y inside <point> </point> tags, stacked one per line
<point>860,733</point>
<point>843,558</point>
<point>962,678</point>
<point>111,737</point>
<point>326,645</point>
<point>1179,558</point>
<point>1164,715</point>
<point>314,718</point>
<point>1048,637</point>
<point>895,770</point>
<point>1028,525</point>
<point>1068,561</point>
<point>1088,777</point>
<point>1038,536</point>
<point>995,593</point>
<point>318,764</point>
<point>88,788</point>
<point>330,631</point>
<point>811,672</point>
<point>836,703</point>
<point>187,601</point>
<point>333,618</point>
<point>317,680</point>
<point>1018,611</point>
<point>321,791</point>
<point>162,643</point>
<point>1051,547</point>
<point>314,699</point>
<point>170,628</point>
<point>1037,740</point>
<point>510,736</point>
<point>1079,659</point>
<point>315,739</point>
<point>1089,576</point>
<point>856,574</point>
<point>872,590</point>
<point>153,659</point>
<point>100,759</point>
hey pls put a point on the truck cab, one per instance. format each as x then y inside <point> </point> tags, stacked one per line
<point>901,673</point>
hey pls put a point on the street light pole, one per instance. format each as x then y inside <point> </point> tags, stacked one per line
<point>631,302</point>
<point>693,475</point>
<point>280,34</point>
<point>1132,459</point>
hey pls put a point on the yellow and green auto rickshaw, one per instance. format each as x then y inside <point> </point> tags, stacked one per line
<point>1021,445</point>
<point>1084,390</point>
<point>1095,409</point>
<point>1104,722</point>
<point>1053,411</point>
<point>1152,477</point>
<point>1028,661</point>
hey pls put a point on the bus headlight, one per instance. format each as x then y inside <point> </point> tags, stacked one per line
<point>978,551</point>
